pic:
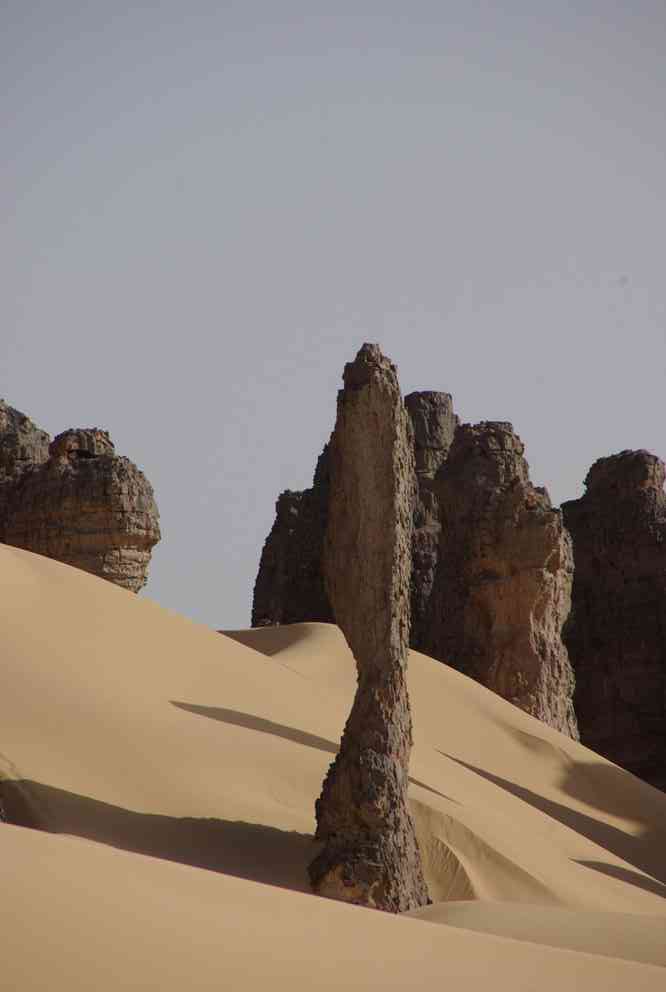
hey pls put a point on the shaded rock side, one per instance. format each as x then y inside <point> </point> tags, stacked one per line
<point>616,634</point>
<point>370,854</point>
<point>290,585</point>
<point>502,591</point>
<point>434,425</point>
<point>87,507</point>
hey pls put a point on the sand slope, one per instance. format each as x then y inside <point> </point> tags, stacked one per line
<point>123,724</point>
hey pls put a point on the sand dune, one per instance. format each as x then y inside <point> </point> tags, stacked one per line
<point>152,748</point>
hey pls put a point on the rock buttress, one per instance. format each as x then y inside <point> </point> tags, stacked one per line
<point>616,634</point>
<point>370,854</point>
<point>503,585</point>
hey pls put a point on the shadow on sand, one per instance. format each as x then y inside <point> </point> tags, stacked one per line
<point>250,722</point>
<point>644,852</point>
<point>247,850</point>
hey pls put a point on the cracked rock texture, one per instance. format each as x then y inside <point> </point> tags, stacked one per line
<point>22,445</point>
<point>76,500</point>
<point>616,634</point>
<point>434,424</point>
<point>502,589</point>
<point>370,855</point>
<point>290,586</point>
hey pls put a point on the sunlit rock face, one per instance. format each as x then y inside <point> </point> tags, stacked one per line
<point>76,500</point>
<point>502,589</point>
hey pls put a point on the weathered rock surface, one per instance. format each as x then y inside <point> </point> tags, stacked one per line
<point>76,500</point>
<point>290,586</point>
<point>370,854</point>
<point>503,583</point>
<point>616,634</point>
<point>434,424</point>
<point>22,445</point>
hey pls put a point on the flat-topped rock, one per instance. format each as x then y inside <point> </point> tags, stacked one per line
<point>76,500</point>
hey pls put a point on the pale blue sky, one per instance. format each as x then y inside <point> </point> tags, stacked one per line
<point>207,208</point>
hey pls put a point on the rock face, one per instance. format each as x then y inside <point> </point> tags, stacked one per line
<point>503,583</point>
<point>289,587</point>
<point>290,584</point>
<point>491,563</point>
<point>76,500</point>
<point>370,854</point>
<point>22,445</point>
<point>434,424</point>
<point>616,634</point>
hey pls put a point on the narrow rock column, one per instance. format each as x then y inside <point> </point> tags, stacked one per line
<point>370,854</point>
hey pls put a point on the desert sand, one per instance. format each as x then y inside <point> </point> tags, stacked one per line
<point>171,774</point>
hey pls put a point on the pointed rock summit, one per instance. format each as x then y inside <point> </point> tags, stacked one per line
<point>370,854</point>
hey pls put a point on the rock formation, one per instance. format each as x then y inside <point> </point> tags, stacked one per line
<point>434,424</point>
<point>75,500</point>
<point>616,634</point>
<point>370,854</point>
<point>290,587</point>
<point>503,583</point>
<point>22,446</point>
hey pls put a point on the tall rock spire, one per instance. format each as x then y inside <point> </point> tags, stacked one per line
<point>370,854</point>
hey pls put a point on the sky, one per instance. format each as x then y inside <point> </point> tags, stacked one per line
<point>207,207</point>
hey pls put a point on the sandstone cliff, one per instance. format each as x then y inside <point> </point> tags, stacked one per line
<point>75,500</point>
<point>503,585</point>
<point>370,854</point>
<point>616,635</point>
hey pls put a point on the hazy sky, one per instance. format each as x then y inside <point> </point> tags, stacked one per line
<point>208,207</point>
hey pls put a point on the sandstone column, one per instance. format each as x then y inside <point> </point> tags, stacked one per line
<point>370,854</point>
<point>503,585</point>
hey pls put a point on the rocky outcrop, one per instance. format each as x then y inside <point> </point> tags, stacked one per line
<point>76,500</point>
<point>616,634</point>
<point>434,424</point>
<point>491,563</point>
<point>290,586</point>
<point>503,583</point>
<point>22,446</point>
<point>370,854</point>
